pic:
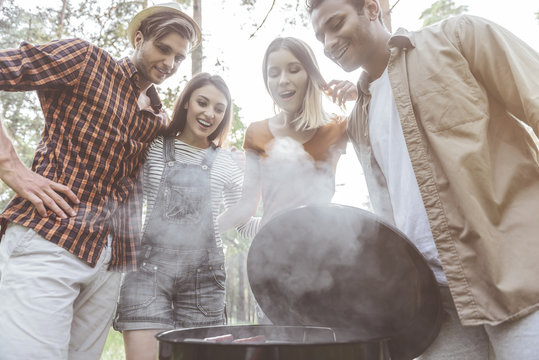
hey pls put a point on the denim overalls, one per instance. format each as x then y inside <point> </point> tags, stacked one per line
<point>181,276</point>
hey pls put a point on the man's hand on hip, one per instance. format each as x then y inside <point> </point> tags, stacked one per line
<point>40,191</point>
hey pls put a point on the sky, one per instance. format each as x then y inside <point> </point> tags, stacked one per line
<point>244,56</point>
<point>245,76</point>
<point>227,28</point>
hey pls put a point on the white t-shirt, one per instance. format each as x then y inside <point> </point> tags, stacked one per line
<point>391,153</point>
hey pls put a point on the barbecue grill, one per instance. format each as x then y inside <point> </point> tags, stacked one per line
<point>337,282</point>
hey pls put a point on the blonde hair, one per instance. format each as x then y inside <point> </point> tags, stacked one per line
<point>311,114</point>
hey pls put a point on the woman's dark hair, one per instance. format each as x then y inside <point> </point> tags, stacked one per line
<point>179,116</point>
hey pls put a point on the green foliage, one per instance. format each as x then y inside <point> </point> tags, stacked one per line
<point>298,15</point>
<point>240,303</point>
<point>16,25</point>
<point>110,23</point>
<point>20,112</point>
<point>440,10</point>
<point>169,95</point>
<point>237,129</point>
<point>114,347</point>
<point>239,299</point>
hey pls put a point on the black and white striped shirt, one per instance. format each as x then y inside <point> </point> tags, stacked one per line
<point>226,179</point>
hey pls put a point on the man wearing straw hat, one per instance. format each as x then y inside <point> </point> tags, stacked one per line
<point>69,231</point>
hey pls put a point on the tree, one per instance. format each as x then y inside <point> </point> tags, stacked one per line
<point>61,18</point>
<point>239,299</point>
<point>237,129</point>
<point>106,26</point>
<point>20,111</point>
<point>440,10</point>
<point>196,56</point>
<point>386,13</point>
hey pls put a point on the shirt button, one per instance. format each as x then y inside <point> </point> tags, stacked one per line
<point>204,167</point>
<point>170,163</point>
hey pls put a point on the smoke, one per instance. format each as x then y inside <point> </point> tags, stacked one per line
<point>336,266</point>
<point>321,264</point>
<point>291,178</point>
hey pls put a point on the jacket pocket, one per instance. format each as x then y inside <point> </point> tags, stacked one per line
<point>448,98</point>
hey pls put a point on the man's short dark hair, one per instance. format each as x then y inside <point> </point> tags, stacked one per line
<point>357,4</point>
<point>313,4</point>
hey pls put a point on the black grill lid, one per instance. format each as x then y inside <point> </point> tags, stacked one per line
<point>342,267</point>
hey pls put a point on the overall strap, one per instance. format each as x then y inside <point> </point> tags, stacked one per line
<point>211,154</point>
<point>168,149</point>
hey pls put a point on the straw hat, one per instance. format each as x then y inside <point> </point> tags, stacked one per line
<point>134,24</point>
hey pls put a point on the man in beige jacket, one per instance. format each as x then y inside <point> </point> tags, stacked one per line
<point>445,127</point>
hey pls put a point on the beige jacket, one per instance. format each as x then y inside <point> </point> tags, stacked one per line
<point>464,89</point>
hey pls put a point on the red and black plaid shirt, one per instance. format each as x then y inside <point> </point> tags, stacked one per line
<point>94,141</point>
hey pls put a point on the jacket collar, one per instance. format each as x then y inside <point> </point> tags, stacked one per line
<point>401,39</point>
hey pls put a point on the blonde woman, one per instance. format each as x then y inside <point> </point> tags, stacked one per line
<point>291,157</point>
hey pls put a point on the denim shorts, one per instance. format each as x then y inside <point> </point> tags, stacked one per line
<point>173,289</point>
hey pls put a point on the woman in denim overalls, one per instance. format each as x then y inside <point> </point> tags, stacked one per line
<point>181,277</point>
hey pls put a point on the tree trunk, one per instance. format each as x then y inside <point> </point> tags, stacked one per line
<point>196,57</point>
<point>61,18</point>
<point>241,288</point>
<point>386,15</point>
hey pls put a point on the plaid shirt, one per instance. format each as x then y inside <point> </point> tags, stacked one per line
<point>94,141</point>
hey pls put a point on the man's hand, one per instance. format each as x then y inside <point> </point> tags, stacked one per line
<point>41,192</point>
<point>341,91</point>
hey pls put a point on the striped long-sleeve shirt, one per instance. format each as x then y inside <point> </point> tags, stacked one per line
<point>94,141</point>
<point>226,180</point>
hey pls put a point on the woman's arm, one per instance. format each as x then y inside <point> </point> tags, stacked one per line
<point>241,212</point>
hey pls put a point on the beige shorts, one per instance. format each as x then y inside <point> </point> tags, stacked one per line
<point>53,305</point>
